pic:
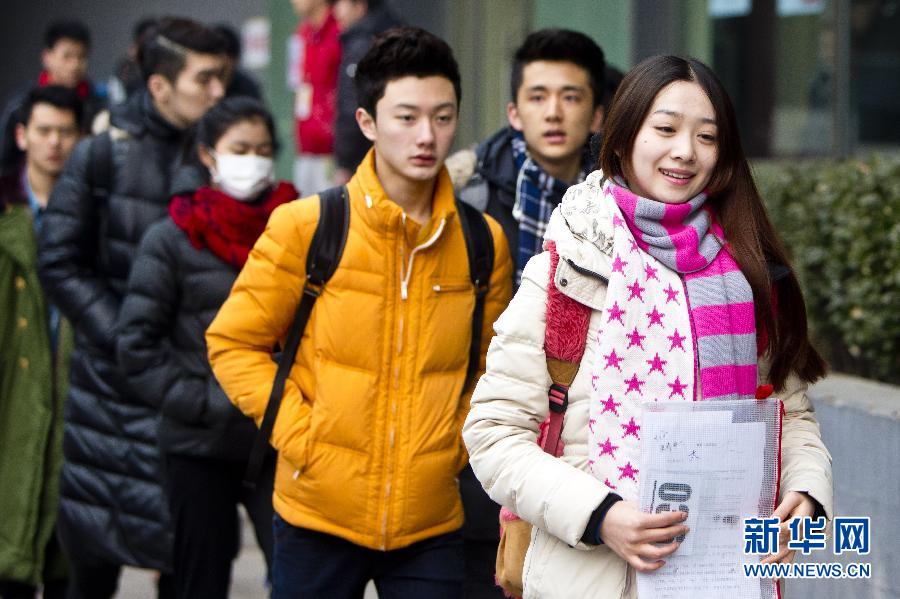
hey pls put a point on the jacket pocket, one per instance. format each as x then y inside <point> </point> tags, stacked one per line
<point>446,285</point>
<point>446,328</point>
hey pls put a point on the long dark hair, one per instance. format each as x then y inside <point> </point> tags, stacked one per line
<point>736,202</point>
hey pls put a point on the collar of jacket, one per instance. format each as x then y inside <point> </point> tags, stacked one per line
<point>495,163</point>
<point>381,213</point>
<point>138,116</point>
<point>17,235</point>
<point>584,244</point>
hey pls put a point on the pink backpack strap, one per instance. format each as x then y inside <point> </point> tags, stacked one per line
<point>565,337</point>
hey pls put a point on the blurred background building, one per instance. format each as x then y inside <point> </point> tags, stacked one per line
<point>808,77</point>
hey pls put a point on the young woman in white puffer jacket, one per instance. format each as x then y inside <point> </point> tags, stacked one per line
<point>711,312</point>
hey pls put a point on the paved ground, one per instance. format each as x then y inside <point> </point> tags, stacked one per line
<point>247,577</point>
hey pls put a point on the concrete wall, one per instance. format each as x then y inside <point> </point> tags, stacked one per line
<point>860,422</point>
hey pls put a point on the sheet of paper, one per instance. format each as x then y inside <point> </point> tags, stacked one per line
<point>702,463</point>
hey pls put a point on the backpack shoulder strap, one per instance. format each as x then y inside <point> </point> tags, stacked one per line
<point>100,166</point>
<point>480,250</point>
<point>100,181</point>
<point>325,251</point>
<point>327,245</point>
<point>565,338</point>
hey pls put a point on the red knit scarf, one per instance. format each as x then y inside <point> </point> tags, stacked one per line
<point>226,227</point>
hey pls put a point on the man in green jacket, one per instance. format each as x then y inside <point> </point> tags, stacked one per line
<point>34,344</point>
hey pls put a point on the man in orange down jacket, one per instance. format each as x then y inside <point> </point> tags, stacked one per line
<point>369,429</point>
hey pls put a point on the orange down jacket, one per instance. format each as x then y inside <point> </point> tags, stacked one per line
<point>369,429</point>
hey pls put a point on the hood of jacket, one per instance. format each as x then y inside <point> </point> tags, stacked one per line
<point>495,163</point>
<point>188,178</point>
<point>582,229</point>
<point>138,116</point>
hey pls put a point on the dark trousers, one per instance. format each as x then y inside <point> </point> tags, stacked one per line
<point>19,590</point>
<point>481,568</point>
<point>100,581</point>
<point>314,565</point>
<point>92,581</point>
<point>482,535</point>
<point>204,494</point>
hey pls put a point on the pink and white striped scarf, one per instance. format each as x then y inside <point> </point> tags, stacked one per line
<point>676,305</point>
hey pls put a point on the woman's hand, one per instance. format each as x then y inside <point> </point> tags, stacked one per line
<point>794,505</point>
<point>634,535</point>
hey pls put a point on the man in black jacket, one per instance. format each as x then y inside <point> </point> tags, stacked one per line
<point>360,22</point>
<point>518,176</point>
<point>112,508</point>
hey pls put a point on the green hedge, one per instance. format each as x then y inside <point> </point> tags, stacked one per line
<point>841,223</point>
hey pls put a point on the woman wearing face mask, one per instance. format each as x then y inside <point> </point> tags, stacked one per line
<point>183,272</point>
<point>668,259</point>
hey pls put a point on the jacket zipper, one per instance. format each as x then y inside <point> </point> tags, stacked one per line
<point>585,271</point>
<point>404,295</point>
<point>404,278</point>
<point>628,574</point>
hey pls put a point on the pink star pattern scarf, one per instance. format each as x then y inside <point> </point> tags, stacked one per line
<point>676,305</point>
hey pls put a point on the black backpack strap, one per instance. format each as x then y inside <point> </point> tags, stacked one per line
<point>100,166</point>
<point>328,242</point>
<point>324,254</point>
<point>99,180</point>
<point>480,248</point>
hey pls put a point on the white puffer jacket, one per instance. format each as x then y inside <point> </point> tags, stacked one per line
<point>510,402</point>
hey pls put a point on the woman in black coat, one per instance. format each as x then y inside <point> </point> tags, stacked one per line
<point>183,273</point>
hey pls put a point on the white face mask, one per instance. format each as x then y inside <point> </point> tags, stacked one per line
<point>242,176</point>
